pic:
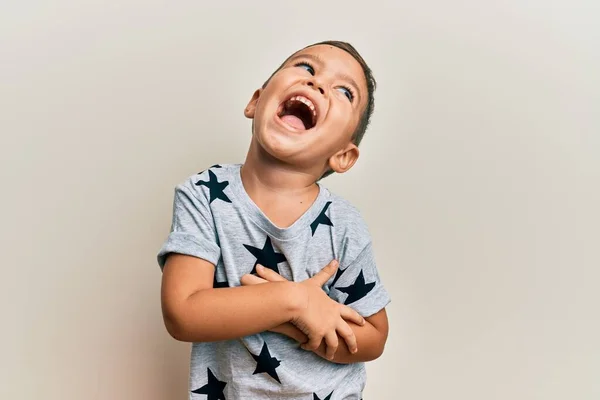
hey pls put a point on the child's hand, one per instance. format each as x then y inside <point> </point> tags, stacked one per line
<point>322,317</point>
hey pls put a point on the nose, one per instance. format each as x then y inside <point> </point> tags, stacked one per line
<point>316,86</point>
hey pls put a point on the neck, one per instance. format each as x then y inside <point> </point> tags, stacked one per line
<point>264,176</point>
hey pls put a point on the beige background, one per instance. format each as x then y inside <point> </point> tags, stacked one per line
<point>479,179</point>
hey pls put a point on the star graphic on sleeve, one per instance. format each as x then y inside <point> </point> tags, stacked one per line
<point>216,188</point>
<point>266,363</point>
<point>358,289</point>
<point>321,219</point>
<point>315,397</point>
<point>217,284</point>
<point>213,389</point>
<point>266,256</point>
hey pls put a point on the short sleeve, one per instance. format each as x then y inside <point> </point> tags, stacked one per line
<point>359,286</point>
<point>192,228</point>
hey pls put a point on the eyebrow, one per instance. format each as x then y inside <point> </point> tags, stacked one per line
<point>319,61</point>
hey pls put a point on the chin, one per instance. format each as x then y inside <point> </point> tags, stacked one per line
<point>282,145</point>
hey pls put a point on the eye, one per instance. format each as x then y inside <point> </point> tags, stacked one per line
<point>347,92</point>
<point>306,66</point>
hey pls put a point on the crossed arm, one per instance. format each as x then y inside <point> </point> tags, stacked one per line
<point>195,312</point>
<point>370,337</point>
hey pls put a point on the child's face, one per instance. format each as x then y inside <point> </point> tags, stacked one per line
<point>307,113</point>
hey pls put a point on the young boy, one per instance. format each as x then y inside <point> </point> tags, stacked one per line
<point>243,275</point>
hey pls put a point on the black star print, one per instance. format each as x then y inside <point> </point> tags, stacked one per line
<point>266,363</point>
<point>217,284</point>
<point>216,188</point>
<point>213,389</point>
<point>266,256</point>
<point>315,397</point>
<point>357,290</point>
<point>321,219</point>
<point>338,274</point>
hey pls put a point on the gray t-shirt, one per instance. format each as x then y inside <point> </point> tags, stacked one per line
<point>215,219</point>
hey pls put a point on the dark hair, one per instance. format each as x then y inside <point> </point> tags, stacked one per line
<point>365,118</point>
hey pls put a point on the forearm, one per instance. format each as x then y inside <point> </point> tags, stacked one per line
<point>370,343</point>
<point>227,313</point>
<point>369,340</point>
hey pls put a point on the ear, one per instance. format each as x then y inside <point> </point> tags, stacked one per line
<point>344,159</point>
<point>251,107</point>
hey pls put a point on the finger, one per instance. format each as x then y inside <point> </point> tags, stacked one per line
<point>331,339</point>
<point>278,329</point>
<point>349,314</point>
<point>269,274</point>
<point>313,343</point>
<point>250,279</point>
<point>347,334</point>
<point>323,275</point>
<point>298,336</point>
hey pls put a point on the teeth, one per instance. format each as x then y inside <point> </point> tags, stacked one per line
<point>306,101</point>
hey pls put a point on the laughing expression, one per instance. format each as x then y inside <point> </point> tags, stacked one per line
<point>310,108</point>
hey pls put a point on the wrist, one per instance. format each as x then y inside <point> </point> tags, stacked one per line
<point>297,299</point>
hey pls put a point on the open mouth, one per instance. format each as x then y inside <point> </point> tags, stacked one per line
<point>298,112</point>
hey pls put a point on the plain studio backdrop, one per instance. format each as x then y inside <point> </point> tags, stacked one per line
<point>479,179</point>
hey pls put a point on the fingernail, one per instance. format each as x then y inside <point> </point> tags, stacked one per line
<point>334,263</point>
<point>259,267</point>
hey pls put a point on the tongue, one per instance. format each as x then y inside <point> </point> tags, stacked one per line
<point>293,121</point>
